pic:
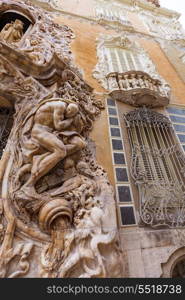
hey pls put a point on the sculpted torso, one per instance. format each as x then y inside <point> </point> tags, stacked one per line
<point>50,114</point>
<point>53,121</point>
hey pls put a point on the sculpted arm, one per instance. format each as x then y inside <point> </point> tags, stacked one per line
<point>59,122</point>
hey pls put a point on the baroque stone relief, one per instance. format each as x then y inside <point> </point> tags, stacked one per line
<point>35,40</point>
<point>53,190</point>
<point>109,13</point>
<point>164,27</point>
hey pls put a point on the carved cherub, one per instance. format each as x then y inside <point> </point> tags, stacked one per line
<point>34,49</point>
<point>12,32</point>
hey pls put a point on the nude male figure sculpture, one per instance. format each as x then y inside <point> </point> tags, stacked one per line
<point>56,129</point>
<point>12,32</point>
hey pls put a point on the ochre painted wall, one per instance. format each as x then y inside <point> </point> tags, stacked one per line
<point>79,7</point>
<point>137,23</point>
<point>166,70</point>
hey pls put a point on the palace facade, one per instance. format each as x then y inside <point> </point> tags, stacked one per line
<point>92,139</point>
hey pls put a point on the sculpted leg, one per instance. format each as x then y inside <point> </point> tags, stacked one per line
<point>76,143</point>
<point>42,164</point>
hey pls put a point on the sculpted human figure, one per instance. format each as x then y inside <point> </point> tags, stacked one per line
<point>12,32</point>
<point>34,49</point>
<point>55,134</point>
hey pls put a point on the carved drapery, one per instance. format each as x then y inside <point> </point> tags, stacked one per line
<point>157,167</point>
<point>53,190</point>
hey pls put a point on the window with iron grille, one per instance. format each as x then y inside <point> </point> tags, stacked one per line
<point>158,168</point>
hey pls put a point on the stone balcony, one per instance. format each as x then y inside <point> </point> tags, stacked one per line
<point>138,88</point>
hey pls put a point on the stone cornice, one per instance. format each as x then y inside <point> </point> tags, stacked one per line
<point>107,25</point>
<point>50,5</point>
<point>151,7</point>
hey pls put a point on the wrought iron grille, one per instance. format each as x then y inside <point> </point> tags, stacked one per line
<point>157,167</point>
<point>6,122</point>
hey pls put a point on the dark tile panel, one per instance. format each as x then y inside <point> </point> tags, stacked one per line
<point>121,174</point>
<point>179,128</point>
<point>127,215</point>
<point>117,145</point>
<point>177,111</point>
<point>181,138</point>
<point>112,111</point>
<point>111,102</point>
<point>113,121</point>
<point>124,194</point>
<point>119,158</point>
<point>177,119</point>
<point>115,132</point>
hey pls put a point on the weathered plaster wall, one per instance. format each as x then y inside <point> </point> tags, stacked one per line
<point>166,70</point>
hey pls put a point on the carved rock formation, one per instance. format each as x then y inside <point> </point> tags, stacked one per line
<point>53,191</point>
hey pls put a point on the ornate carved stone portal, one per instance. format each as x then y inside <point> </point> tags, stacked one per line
<point>57,209</point>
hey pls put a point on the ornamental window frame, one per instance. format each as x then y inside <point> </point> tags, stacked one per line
<point>157,168</point>
<point>124,42</point>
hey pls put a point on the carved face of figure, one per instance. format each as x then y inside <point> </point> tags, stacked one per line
<point>71,110</point>
<point>18,24</point>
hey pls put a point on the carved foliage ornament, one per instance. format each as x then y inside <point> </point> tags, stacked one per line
<point>53,188</point>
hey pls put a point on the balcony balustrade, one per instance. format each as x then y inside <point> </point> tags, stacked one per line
<point>138,89</point>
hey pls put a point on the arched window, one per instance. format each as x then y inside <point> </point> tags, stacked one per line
<point>119,54</point>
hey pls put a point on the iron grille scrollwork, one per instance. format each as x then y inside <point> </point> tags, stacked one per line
<point>157,167</point>
<point>6,121</point>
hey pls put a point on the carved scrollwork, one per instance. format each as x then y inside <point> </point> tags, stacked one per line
<point>8,253</point>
